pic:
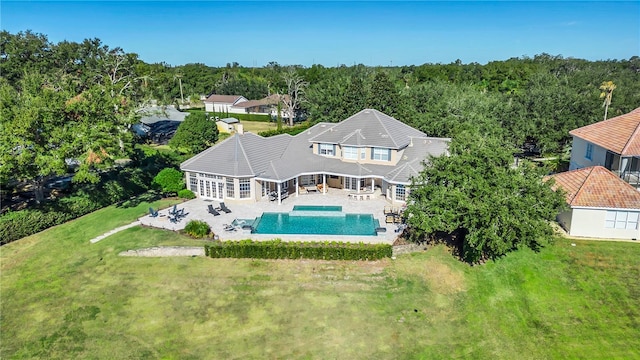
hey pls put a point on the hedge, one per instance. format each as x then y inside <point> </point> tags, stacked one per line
<point>245,117</point>
<point>277,249</point>
<point>293,130</point>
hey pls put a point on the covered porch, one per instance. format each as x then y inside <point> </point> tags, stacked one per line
<point>353,187</point>
<point>626,167</point>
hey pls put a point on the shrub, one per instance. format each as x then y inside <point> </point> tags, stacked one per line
<point>197,229</point>
<point>277,249</point>
<point>169,180</point>
<point>186,194</point>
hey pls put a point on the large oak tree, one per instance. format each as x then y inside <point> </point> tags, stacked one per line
<point>476,194</point>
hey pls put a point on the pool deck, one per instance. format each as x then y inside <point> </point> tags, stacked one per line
<point>197,210</point>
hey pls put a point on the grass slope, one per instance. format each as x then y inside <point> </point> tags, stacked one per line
<point>63,297</point>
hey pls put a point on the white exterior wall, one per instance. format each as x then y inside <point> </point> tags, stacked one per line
<point>208,107</point>
<point>578,152</point>
<point>591,223</point>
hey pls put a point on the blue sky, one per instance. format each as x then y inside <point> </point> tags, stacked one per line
<point>333,33</point>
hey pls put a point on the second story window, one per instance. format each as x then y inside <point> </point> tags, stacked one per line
<point>589,154</point>
<point>327,149</point>
<point>381,154</point>
<point>350,152</point>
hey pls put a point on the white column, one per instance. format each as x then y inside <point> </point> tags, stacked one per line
<point>297,186</point>
<point>324,184</point>
<point>279,193</point>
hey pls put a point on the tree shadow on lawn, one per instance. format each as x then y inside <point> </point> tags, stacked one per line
<point>137,200</point>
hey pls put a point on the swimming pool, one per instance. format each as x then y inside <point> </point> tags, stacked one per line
<point>316,220</point>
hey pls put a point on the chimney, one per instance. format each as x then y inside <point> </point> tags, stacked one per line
<point>239,129</point>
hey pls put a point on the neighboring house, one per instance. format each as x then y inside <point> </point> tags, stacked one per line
<point>222,103</point>
<point>613,143</point>
<point>264,106</point>
<point>153,114</point>
<point>158,123</point>
<point>368,153</point>
<point>601,204</point>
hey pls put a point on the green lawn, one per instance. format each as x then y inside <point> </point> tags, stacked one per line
<point>258,126</point>
<point>63,297</point>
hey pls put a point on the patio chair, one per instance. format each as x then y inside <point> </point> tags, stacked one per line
<point>224,208</point>
<point>213,211</point>
<point>173,219</point>
<point>174,210</point>
<point>389,219</point>
<point>153,213</point>
<point>228,227</point>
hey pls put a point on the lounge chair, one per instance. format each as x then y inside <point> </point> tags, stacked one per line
<point>228,227</point>
<point>153,213</point>
<point>389,219</point>
<point>213,211</point>
<point>224,208</point>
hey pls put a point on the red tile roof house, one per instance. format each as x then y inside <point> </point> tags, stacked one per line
<point>222,103</point>
<point>601,204</point>
<point>613,143</point>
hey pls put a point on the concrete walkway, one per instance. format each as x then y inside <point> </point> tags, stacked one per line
<point>162,251</point>
<point>98,238</point>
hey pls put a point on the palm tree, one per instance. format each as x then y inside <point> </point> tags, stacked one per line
<point>607,88</point>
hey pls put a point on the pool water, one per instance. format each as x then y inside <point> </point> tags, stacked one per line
<point>317,208</point>
<point>316,220</point>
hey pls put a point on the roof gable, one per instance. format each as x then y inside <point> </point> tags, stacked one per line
<point>596,186</point>
<point>372,128</point>
<point>620,134</point>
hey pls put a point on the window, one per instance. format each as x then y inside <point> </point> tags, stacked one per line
<point>363,154</point>
<point>231,193</point>
<point>381,154</point>
<point>589,154</point>
<point>327,149</point>
<point>306,180</point>
<point>621,220</point>
<point>401,192</point>
<point>350,153</point>
<point>245,188</point>
<point>193,182</point>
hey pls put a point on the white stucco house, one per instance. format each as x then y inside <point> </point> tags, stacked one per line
<point>613,143</point>
<point>367,155</point>
<point>601,205</point>
<point>223,103</point>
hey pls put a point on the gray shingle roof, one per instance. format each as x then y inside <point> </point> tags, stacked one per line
<point>372,128</point>
<point>153,114</point>
<point>284,157</point>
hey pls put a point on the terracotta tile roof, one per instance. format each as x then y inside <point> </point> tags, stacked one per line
<point>596,186</point>
<point>620,134</point>
<point>229,99</point>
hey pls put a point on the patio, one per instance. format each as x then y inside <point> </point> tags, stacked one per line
<point>197,210</point>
